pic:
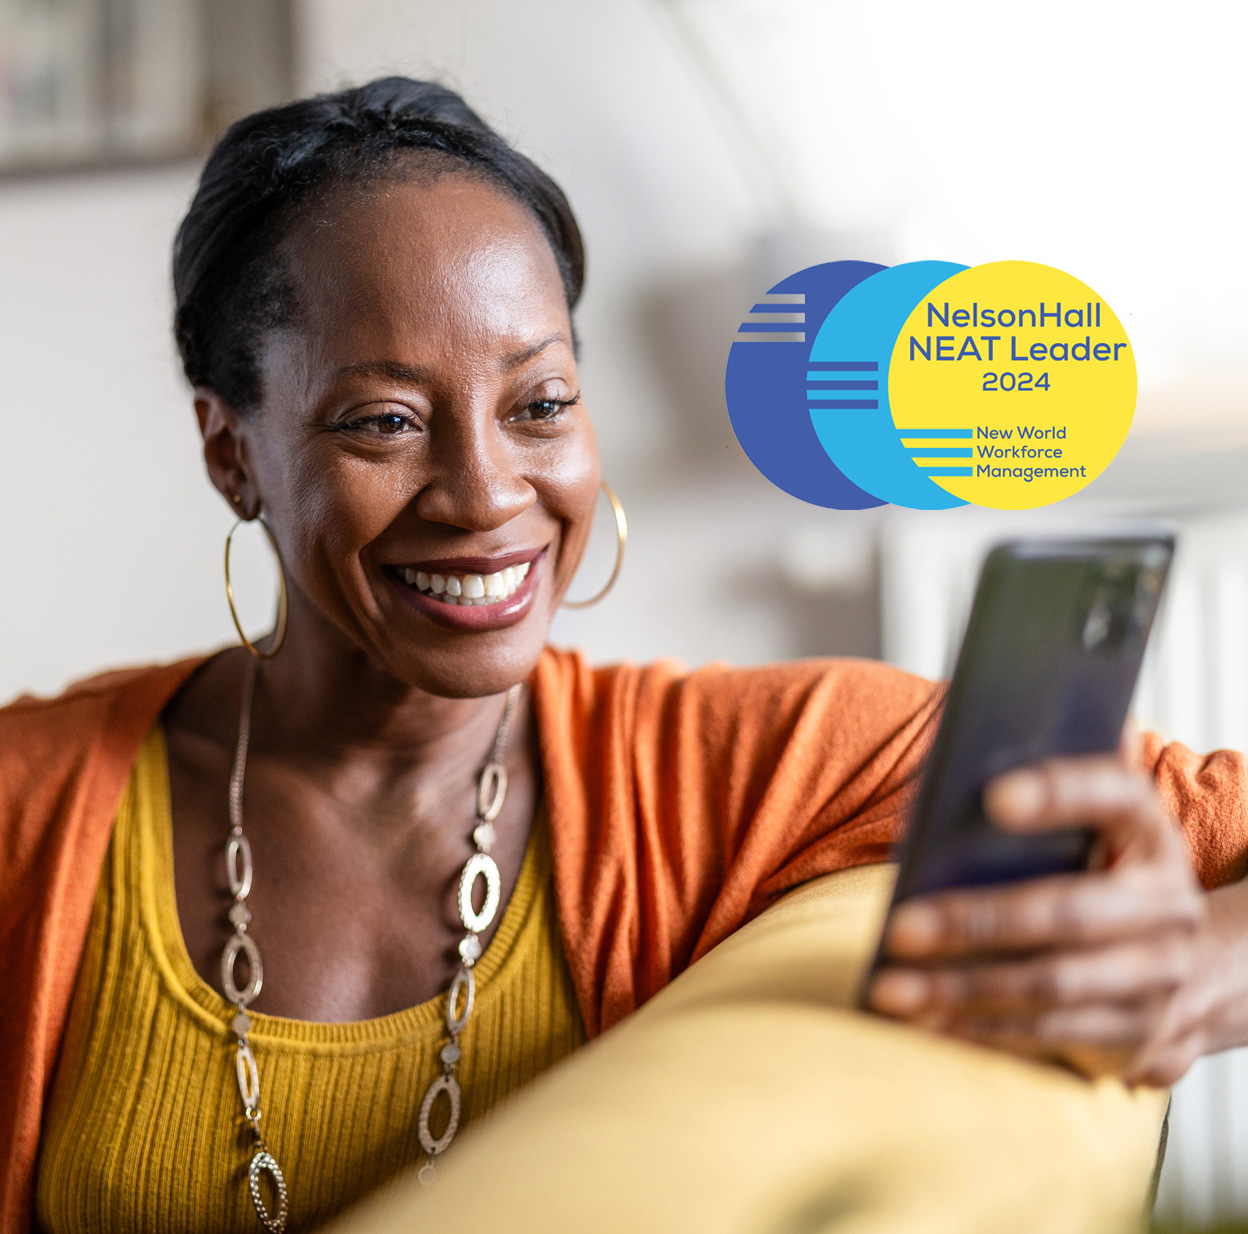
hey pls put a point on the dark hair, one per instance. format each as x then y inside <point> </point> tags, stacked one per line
<point>228,282</point>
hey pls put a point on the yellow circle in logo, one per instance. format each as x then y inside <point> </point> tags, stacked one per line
<point>1012,385</point>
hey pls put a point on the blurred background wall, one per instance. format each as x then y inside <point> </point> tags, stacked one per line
<point>710,147</point>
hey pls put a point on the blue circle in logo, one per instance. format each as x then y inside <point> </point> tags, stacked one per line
<point>848,388</point>
<point>767,380</point>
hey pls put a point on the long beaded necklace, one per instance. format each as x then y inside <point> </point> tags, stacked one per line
<point>491,793</point>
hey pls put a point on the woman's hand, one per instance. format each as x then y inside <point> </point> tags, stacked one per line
<point>1113,971</point>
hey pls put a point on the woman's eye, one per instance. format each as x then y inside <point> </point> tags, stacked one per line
<point>545,408</point>
<point>386,423</point>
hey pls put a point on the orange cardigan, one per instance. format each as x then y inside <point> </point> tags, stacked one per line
<point>680,804</point>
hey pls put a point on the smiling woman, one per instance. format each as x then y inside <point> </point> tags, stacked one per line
<point>380,305</point>
<point>288,920</point>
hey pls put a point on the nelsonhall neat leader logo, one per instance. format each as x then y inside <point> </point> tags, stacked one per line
<point>931,385</point>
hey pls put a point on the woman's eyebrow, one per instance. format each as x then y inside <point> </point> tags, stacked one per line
<point>395,370</point>
<point>517,358</point>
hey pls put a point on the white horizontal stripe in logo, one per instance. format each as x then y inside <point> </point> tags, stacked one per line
<point>797,318</point>
<point>770,338</point>
<point>783,297</point>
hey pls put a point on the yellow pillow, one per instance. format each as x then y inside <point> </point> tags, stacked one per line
<point>750,1096</point>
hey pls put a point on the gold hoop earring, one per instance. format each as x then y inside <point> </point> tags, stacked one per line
<point>279,632</point>
<point>621,531</point>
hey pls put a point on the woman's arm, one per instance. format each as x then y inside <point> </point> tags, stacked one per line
<point>1131,969</point>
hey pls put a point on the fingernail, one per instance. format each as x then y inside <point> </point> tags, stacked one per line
<point>915,927</point>
<point>899,992</point>
<point>1017,796</point>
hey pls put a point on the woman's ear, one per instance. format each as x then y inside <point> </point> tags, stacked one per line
<point>226,452</point>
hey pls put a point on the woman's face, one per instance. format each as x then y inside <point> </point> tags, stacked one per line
<point>421,451</point>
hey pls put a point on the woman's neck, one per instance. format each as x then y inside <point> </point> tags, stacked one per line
<point>346,706</point>
<point>328,712</point>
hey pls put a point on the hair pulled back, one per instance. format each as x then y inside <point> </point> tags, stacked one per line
<point>229,285</point>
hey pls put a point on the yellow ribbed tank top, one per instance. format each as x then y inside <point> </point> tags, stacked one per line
<point>144,1130</point>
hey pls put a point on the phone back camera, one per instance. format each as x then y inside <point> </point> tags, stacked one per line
<point>1120,606</point>
<point>1098,625</point>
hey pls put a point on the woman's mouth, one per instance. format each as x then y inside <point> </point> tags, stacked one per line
<point>475,590</point>
<point>471,593</point>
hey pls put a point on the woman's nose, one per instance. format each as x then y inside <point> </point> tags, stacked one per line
<point>475,481</point>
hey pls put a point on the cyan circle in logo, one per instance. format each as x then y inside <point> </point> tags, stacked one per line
<point>848,387</point>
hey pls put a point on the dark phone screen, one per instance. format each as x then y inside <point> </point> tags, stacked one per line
<point>1048,666</point>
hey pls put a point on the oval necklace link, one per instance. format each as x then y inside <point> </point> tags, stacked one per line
<point>480,865</point>
<point>255,977</point>
<point>491,793</point>
<point>240,876</point>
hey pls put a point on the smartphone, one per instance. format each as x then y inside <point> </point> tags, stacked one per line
<point>1047,667</point>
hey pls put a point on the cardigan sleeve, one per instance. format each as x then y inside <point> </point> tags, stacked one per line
<point>1208,794</point>
<point>683,802</point>
<point>64,763</point>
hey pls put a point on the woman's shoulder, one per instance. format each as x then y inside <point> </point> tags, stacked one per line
<point>850,685</point>
<point>38,733</point>
<point>86,692</point>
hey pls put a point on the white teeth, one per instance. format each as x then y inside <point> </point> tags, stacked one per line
<point>468,589</point>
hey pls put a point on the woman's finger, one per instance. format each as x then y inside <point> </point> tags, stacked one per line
<point>1131,744</point>
<point>1100,792</point>
<point>1119,973</point>
<point>1102,1026</point>
<point>1062,910</point>
<point>1167,1064</point>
